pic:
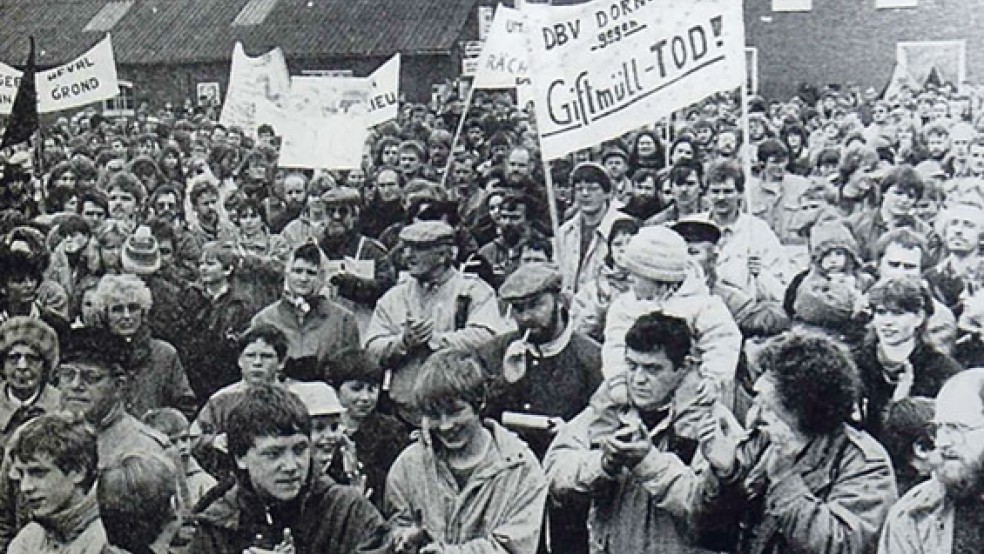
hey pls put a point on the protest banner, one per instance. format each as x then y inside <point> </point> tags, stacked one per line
<point>256,86</point>
<point>606,67</point>
<point>88,78</point>
<point>323,122</point>
<point>384,92</point>
<point>504,58</point>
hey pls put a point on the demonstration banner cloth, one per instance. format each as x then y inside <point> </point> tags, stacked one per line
<point>606,67</point>
<point>88,78</point>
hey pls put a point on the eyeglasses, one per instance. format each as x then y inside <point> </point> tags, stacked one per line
<point>29,357</point>
<point>339,211</point>
<point>68,374</point>
<point>120,309</point>
<point>957,431</point>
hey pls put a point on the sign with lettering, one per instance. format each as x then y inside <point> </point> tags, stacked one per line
<point>606,67</point>
<point>504,59</point>
<point>88,78</point>
<point>384,92</point>
<point>256,86</point>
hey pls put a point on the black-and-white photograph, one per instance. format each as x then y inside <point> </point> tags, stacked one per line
<point>492,276</point>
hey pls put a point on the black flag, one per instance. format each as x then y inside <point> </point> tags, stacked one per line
<point>23,120</point>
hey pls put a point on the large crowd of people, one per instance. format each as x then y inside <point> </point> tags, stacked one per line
<point>707,343</point>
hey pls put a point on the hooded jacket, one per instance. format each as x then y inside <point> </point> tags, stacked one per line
<point>499,509</point>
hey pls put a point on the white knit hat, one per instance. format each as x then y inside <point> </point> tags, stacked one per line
<point>658,253</point>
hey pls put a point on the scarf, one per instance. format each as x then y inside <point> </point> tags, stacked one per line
<point>65,526</point>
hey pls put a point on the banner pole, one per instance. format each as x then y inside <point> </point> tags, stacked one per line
<point>457,134</point>
<point>552,206</point>
<point>746,139</point>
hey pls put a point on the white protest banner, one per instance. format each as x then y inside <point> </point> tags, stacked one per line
<point>323,123</point>
<point>9,81</point>
<point>609,66</point>
<point>384,92</point>
<point>256,85</point>
<point>505,56</point>
<point>88,78</point>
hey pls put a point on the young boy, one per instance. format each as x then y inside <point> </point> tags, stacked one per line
<point>277,503</point>
<point>498,490</point>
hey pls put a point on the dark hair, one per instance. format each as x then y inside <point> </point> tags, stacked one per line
<point>905,293</point>
<point>352,364</point>
<point>94,196</point>
<point>537,242</point>
<point>270,334</point>
<point>904,237</point>
<point>772,148</point>
<point>201,188</point>
<point>815,378</point>
<point>905,426</point>
<point>447,376</point>
<point>682,169</point>
<point>905,178</point>
<point>591,173</point>
<point>657,331</point>
<point>16,265</point>
<point>267,411</point>
<point>309,252</point>
<point>135,495</point>
<point>71,445</point>
<point>720,172</point>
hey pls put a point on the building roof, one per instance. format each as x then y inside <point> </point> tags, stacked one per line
<point>190,31</point>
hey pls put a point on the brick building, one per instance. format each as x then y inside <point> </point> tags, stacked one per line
<point>841,41</point>
<point>166,48</point>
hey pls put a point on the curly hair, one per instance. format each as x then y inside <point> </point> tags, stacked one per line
<point>122,288</point>
<point>815,379</point>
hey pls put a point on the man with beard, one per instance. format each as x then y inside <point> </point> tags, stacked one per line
<point>542,375</point>
<point>512,227</point>
<point>294,196</point>
<point>518,165</point>
<point>468,192</point>
<point>208,225</point>
<point>959,275</point>
<point>943,515</point>
<point>166,202</point>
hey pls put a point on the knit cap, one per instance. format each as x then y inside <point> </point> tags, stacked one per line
<point>658,253</point>
<point>141,255</point>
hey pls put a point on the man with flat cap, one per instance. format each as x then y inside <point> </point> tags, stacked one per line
<point>542,375</point>
<point>438,307</point>
<point>544,368</point>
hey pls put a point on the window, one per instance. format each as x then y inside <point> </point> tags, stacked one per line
<point>122,104</point>
<point>792,5</point>
<point>882,4</point>
<point>110,14</point>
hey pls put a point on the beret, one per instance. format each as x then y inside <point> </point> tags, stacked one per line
<point>694,230</point>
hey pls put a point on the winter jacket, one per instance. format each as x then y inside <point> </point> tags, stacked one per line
<point>638,511</point>
<point>157,378</point>
<point>918,522</point>
<point>580,269</point>
<point>325,517</point>
<point>462,307</point>
<point>315,336</point>
<point>931,369</point>
<point>76,529</point>
<point>499,509</point>
<point>13,416</point>
<point>834,501</point>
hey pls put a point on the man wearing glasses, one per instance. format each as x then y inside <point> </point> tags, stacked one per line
<point>943,515</point>
<point>91,384</point>
<point>358,268</point>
